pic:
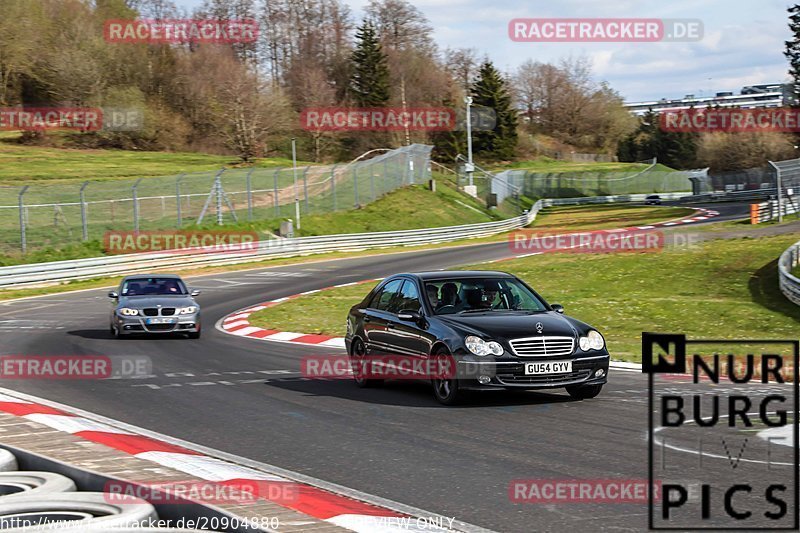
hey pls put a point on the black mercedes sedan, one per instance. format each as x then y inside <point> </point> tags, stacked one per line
<point>472,330</point>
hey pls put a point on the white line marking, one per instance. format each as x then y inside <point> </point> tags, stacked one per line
<point>72,424</point>
<point>246,331</point>
<point>230,325</point>
<point>337,342</point>
<point>206,467</point>
<point>284,336</point>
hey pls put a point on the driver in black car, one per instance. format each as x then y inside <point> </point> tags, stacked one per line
<point>490,290</point>
<point>433,295</point>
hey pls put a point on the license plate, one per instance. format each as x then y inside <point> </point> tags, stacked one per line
<point>548,367</point>
<point>160,321</point>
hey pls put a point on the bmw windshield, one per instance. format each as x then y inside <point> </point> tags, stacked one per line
<point>154,287</point>
<point>474,295</point>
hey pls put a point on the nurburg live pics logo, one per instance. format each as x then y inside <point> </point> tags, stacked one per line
<point>722,433</point>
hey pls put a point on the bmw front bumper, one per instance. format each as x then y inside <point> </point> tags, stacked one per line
<point>139,324</point>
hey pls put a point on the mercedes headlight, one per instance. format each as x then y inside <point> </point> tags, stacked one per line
<point>592,341</point>
<point>188,310</point>
<point>480,347</point>
<point>127,311</point>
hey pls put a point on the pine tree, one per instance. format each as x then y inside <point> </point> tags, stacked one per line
<point>370,80</point>
<point>792,53</point>
<point>490,90</point>
<point>672,148</point>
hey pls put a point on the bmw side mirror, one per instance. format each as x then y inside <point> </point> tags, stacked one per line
<point>412,316</point>
<point>113,294</point>
<point>558,308</point>
<point>194,292</point>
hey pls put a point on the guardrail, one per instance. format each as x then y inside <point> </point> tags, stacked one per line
<point>58,271</point>
<point>612,199</point>
<point>766,211</point>
<point>732,196</point>
<point>790,285</point>
<point>97,267</point>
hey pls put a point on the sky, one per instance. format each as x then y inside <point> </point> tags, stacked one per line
<point>742,43</point>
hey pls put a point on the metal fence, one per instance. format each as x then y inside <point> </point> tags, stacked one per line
<point>534,184</point>
<point>98,267</point>
<point>52,215</point>
<point>790,284</point>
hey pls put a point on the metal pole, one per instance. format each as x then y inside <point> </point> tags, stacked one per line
<point>216,189</point>
<point>305,185</point>
<point>136,206</point>
<point>84,222</point>
<point>355,184</point>
<point>249,196</point>
<point>294,172</point>
<point>372,184</point>
<point>470,165</point>
<point>178,199</point>
<point>333,186</point>
<point>218,186</point>
<point>780,193</point>
<point>277,205</point>
<point>23,238</point>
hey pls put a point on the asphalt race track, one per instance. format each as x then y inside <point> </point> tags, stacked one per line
<point>245,397</point>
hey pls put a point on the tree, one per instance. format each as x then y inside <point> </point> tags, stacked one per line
<point>672,148</point>
<point>792,53</point>
<point>490,90</point>
<point>370,79</point>
<point>460,64</point>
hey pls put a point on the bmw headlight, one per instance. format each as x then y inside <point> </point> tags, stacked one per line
<point>481,347</point>
<point>127,311</point>
<point>188,310</point>
<point>592,341</point>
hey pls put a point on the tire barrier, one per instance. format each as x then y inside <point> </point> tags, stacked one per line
<point>789,283</point>
<point>19,484</point>
<point>48,512</point>
<point>8,463</point>
<point>33,501</point>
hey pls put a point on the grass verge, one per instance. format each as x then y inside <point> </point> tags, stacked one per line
<point>547,220</point>
<point>612,216</point>
<point>723,289</point>
<point>21,164</point>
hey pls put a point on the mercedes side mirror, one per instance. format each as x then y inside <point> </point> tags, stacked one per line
<point>411,316</point>
<point>558,308</point>
<point>113,294</point>
<point>194,292</point>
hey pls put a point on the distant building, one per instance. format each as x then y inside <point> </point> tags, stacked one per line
<point>752,96</point>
